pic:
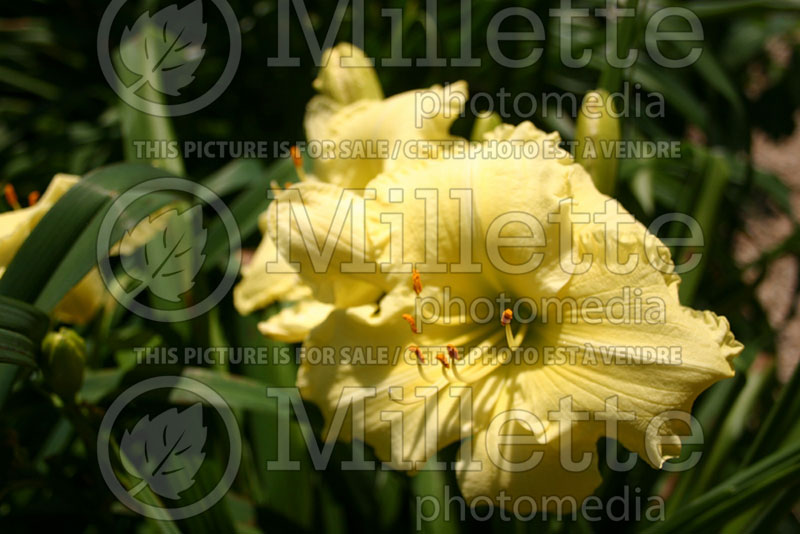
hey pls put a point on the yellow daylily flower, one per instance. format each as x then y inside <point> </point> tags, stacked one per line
<point>516,209</point>
<point>81,303</point>
<point>347,76</point>
<point>350,116</point>
<point>17,224</point>
<point>347,115</point>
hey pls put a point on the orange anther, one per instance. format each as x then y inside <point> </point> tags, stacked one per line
<point>453,352</point>
<point>415,350</point>
<point>442,358</point>
<point>33,198</point>
<point>297,159</point>
<point>11,196</point>
<point>410,320</point>
<point>416,281</point>
<point>505,320</point>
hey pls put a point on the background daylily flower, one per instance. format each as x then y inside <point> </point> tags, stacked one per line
<point>81,303</point>
<point>451,353</point>
<point>349,110</point>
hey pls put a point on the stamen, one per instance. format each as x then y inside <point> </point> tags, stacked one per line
<point>505,320</point>
<point>11,196</point>
<point>421,364</point>
<point>520,336</point>
<point>410,320</point>
<point>33,198</point>
<point>470,360</point>
<point>453,353</point>
<point>297,159</point>
<point>443,359</point>
<point>416,280</point>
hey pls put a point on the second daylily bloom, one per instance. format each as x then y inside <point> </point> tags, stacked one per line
<point>82,302</point>
<point>349,114</point>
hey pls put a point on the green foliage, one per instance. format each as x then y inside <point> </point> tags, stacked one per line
<point>57,114</point>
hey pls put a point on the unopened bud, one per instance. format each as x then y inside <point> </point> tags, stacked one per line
<point>596,135</point>
<point>63,362</point>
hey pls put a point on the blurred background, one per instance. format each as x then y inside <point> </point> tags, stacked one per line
<point>734,113</point>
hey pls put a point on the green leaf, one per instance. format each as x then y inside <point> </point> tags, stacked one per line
<point>22,328</point>
<point>782,416</point>
<point>626,38</point>
<point>246,207</point>
<point>428,487</point>
<point>50,241</point>
<point>771,474</point>
<point>716,8</point>
<point>716,177</point>
<point>239,392</point>
<point>16,348</point>
<point>168,263</point>
<point>733,427</point>
<point>27,83</point>
<point>674,90</point>
<point>21,317</point>
<point>97,384</point>
<point>61,249</point>
<point>147,137</point>
<point>82,257</point>
<point>234,176</point>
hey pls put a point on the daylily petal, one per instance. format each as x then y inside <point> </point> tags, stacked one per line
<point>293,323</point>
<point>696,348</point>
<point>81,303</point>
<point>16,225</point>
<point>482,183</point>
<point>382,127</point>
<point>347,76</point>
<point>259,288</point>
<point>524,474</point>
<point>393,374</point>
<point>321,228</point>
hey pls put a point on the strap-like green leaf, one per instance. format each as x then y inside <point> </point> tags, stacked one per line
<point>773,473</point>
<point>16,348</point>
<point>60,251</point>
<point>23,318</point>
<point>62,227</point>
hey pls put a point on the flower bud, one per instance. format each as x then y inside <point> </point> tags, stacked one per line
<point>347,75</point>
<point>63,362</point>
<point>596,136</point>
